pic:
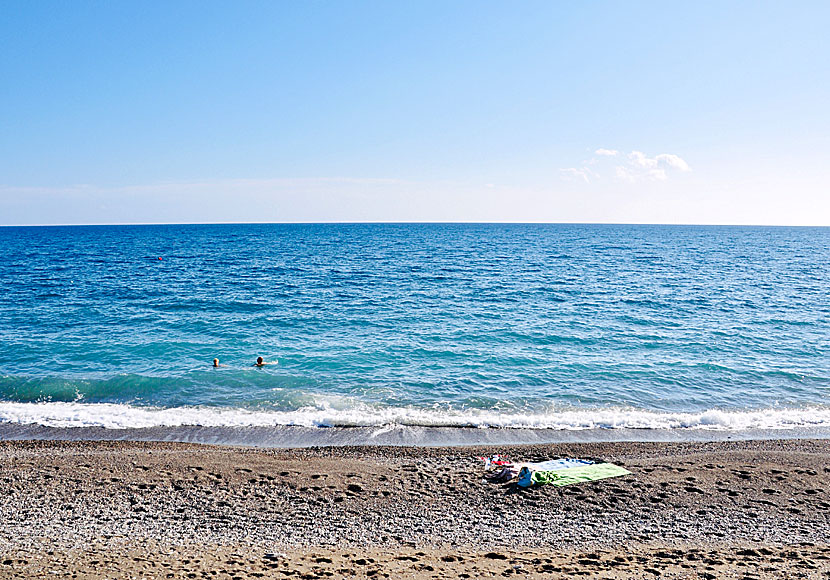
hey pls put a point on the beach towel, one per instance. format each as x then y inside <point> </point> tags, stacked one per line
<point>554,464</point>
<point>570,475</point>
<point>527,469</point>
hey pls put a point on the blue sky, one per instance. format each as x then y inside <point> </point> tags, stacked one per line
<point>644,112</point>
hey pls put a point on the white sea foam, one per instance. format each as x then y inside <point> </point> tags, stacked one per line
<point>119,416</point>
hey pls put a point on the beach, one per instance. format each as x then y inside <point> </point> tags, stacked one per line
<point>306,290</point>
<point>98,509</point>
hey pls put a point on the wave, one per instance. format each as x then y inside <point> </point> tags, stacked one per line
<point>121,416</point>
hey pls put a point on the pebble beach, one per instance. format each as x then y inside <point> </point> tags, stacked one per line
<point>92,509</point>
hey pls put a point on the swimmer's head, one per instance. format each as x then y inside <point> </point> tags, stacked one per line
<point>259,360</point>
<point>216,362</point>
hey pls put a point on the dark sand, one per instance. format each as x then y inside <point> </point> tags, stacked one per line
<point>749,509</point>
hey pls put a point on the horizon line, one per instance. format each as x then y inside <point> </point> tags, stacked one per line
<point>394,222</point>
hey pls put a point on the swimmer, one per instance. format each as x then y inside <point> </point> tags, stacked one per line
<point>216,363</point>
<point>259,362</point>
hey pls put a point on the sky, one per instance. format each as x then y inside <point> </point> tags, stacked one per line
<point>460,111</point>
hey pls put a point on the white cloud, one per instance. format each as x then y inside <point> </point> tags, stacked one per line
<point>673,161</point>
<point>578,174</point>
<point>639,159</point>
<point>632,168</point>
<point>640,167</point>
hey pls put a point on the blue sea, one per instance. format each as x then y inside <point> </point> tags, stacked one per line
<point>390,328</point>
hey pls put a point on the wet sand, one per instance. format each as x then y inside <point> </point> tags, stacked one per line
<point>748,509</point>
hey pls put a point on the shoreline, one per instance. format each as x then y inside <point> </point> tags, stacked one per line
<point>121,509</point>
<point>294,437</point>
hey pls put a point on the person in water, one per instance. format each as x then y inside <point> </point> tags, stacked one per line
<point>259,362</point>
<point>216,362</point>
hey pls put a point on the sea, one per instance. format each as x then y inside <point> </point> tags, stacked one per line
<point>414,334</point>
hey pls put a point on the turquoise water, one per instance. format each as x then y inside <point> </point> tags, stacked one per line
<point>537,326</point>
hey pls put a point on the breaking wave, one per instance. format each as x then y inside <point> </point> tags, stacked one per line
<point>122,416</point>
